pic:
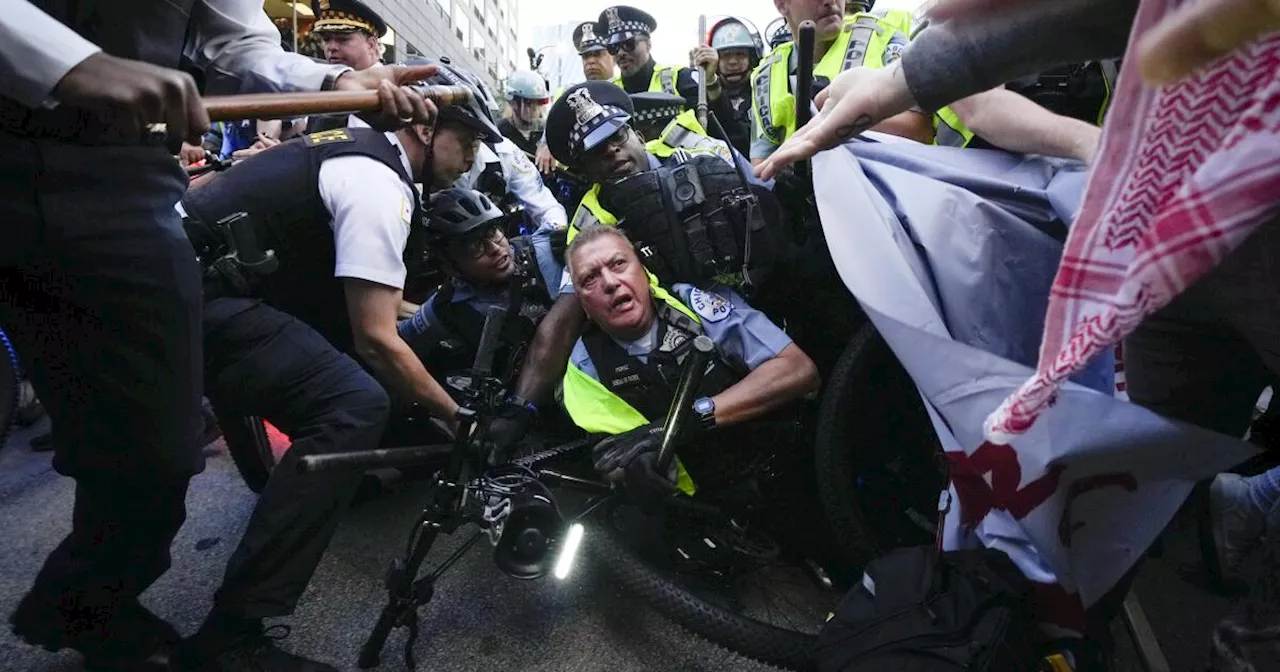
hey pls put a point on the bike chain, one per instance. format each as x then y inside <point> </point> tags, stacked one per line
<point>535,458</point>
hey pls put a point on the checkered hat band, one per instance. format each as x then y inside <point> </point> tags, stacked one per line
<point>657,113</point>
<point>630,29</point>
<point>581,131</point>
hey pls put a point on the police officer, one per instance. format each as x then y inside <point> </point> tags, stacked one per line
<point>627,30</point>
<point>597,65</point>
<point>623,371</point>
<point>485,269</point>
<point>838,41</point>
<point>340,210</point>
<point>528,97</point>
<point>99,288</point>
<point>740,48</point>
<point>348,32</point>
<point>589,129</point>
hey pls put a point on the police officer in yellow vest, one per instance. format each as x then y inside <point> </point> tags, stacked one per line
<point>842,42</point>
<point>626,33</point>
<point>623,370</point>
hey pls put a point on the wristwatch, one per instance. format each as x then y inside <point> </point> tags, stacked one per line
<point>706,410</point>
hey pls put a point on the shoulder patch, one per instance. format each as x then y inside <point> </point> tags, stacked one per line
<point>893,52</point>
<point>709,306</point>
<point>326,137</point>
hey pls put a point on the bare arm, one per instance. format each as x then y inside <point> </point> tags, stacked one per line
<point>549,353</point>
<point>909,124</point>
<point>1015,123</point>
<point>775,383</point>
<point>373,308</point>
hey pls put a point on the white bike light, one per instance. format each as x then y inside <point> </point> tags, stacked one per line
<point>570,549</point>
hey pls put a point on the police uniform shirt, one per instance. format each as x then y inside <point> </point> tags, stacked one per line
<point>762,146</point>
<point>523,181</point>
<point>372,211</point>
<point>232,41</point>
<point>743,336</point>
<point>425,319</point>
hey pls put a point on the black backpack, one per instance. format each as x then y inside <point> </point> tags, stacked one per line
<point>918,611</point>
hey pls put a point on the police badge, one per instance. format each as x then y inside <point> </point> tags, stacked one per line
<point>584,106</point>
<point>615,23</point>
<point>588,32</point>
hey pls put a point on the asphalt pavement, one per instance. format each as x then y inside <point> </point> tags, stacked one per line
<point>480,618</point>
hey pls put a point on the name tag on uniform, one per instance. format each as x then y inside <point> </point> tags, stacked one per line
<point>326,137</point>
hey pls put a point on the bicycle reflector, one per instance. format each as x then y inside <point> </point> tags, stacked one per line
<point>564,564</point>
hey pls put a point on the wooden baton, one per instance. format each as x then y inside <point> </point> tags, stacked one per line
<point>288,105</point>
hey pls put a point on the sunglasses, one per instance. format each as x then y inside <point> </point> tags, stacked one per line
<point>628,46</point>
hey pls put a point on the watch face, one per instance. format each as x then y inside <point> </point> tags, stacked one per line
<point>704,406</point>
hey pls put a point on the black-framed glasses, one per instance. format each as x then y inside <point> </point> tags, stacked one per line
<point>628,46</point>
<point>477,244</point>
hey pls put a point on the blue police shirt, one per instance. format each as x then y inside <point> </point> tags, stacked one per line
<point>743,336</point>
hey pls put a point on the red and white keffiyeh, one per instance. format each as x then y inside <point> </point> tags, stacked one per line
<point>1185,173</point>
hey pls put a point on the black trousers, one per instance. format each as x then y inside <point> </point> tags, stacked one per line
<point>100,292</point>
<point>1206,357</point>
<point>260,361</point>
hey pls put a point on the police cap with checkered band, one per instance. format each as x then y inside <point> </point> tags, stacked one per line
<point>620,23</point>
<point>586,115</point>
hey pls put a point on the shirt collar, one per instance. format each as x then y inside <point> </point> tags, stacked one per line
<point>404,157</point>
<point>642,346</point>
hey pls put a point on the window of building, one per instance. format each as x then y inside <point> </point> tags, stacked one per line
<point>446,6</point>
<point>477,43</point>
<point>462,27</point>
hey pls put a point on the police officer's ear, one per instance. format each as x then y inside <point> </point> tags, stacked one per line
<point>424,133</point>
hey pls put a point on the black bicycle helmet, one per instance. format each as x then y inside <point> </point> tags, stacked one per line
<point>456,212</point>
<point>475,113</point>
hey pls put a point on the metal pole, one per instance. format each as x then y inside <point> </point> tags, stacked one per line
<point>294,5</point>
<point>702,81</point>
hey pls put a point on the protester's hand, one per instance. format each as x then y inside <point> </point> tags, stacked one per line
<point>130,95</point>
<point>705,58</point>
<point>546,162</point>
<point>190,154</point>
<point>856,100</point>
<point>401,105</point>
<point>1199,33</point>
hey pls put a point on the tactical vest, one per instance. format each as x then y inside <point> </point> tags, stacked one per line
<point>1080,91</point>
<point>154,32</point>
<point>455,340</point>
<point>631,393</point>
<point>862,42</point>
<point>663,80</point>
<point>327,122</point>
<point>279,189</point>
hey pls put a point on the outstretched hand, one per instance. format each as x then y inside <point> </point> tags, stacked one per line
<point>856,100</point>
<point>401,105</point>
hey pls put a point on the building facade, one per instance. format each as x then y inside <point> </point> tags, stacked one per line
<point>476,35</point>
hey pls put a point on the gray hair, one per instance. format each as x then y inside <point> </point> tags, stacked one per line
<point>590,233</point>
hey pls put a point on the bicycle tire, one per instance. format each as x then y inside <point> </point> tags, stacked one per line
<point>250,447</point>
<point>867,377</point>
<point>766,643</point>
<point>8,387</point>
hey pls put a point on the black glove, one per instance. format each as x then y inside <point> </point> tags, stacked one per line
<point>507,429</point>
<point>636,452</point>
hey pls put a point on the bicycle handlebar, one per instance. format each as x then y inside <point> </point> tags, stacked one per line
<point>695,365</point>
<point>373,459</point>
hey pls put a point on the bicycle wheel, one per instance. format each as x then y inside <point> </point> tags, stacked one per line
<point>8,387</point>
<point>879,464</point>
<point>732,583</point>
<point>255,448</point>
